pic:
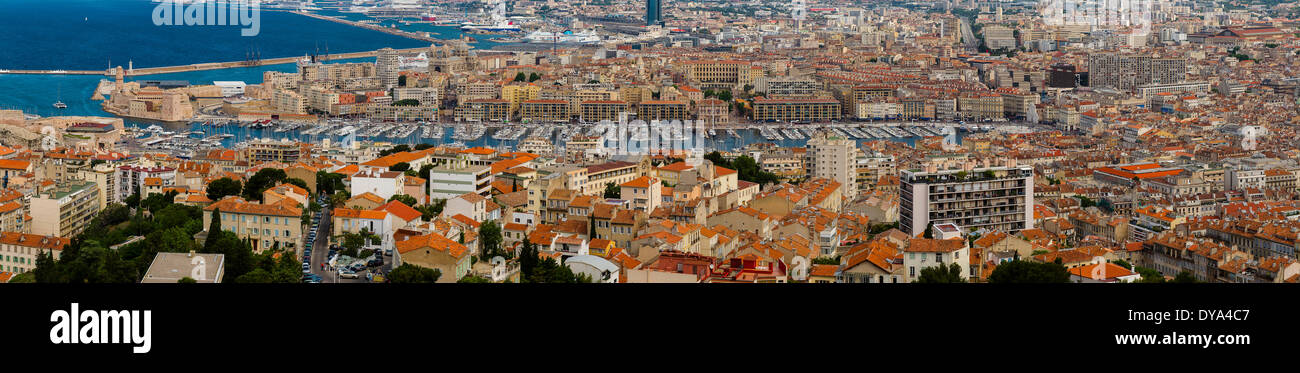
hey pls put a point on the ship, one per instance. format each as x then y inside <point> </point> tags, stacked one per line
<point>60,105</point>
<point>566,37</point>
<point>503,25</point>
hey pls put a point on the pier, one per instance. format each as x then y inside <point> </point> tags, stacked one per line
<point>201,66</point>
<point>387,30</point>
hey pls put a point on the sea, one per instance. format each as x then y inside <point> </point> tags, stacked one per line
<point>99,34</point>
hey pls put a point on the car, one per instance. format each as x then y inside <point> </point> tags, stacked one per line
<point>347,274</point>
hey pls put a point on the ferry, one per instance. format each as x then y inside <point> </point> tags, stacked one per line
<point>503,25</point>
<point>568,37</point>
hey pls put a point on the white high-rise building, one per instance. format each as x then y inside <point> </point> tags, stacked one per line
<point>996,198</point>
<point>833,157</point>
<point>387,66</point>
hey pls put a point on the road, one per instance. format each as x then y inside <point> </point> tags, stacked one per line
<point>320,253</point>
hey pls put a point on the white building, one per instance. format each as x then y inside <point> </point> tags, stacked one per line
<point>834,158</point>
<point>946,248</point>
<point>381,183</point>
<point>452,180</point>
<point>231,89</point>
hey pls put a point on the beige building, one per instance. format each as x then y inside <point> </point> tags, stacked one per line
<point>64,210</point>
<point>264,225</point>
<point>18,251</point>
<point>435,252</point>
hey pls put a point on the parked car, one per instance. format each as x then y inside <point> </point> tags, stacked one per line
<point>347,274</point>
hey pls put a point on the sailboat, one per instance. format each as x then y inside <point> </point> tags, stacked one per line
<point>59,104</point>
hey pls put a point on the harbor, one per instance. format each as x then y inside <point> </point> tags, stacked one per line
<point>183,140</point>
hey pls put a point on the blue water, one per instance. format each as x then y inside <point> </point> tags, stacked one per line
<point>97,34</point>
<point>91,34</point>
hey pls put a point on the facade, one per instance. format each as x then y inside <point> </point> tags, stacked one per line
<point>452,179</point>
<point>662,110</point>
<point>996,198</point>
<point>834,158</point>
<point>812,109</point>
<point>64,210</point>
<point>18,251</point>
<point>266,226</point>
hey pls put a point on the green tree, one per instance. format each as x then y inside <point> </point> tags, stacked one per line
<point>941,274</point>
<point>613,191</point>
<point>831,260</point>
<point>489,235</point>
<point>261,181</point>
<point>1028,272</point>
<point>298,183</point>
<point>533,77</point>
<point>1149,276</point>
<point>404,199</point>
<point>222,187</point>
<point>401,81</point>
<point>411,274</point>
<point>407,102</point>
<point>520,77</point>
<point>187,280</point>
<point>1185,277</point>
<point>471,279</point>
<point>400,166</point>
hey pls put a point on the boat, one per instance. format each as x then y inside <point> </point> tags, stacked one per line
<point>60,105</point>
<point>502,25</point>
<point>566,37</point>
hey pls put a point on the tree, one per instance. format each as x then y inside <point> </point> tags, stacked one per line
<point>1028,272</point>
<point>214,228</point>
<point>407,102</point>
<point>831,260</point>
<point>404,199</point>
<point>400,166</point>
<point>929,231</point>
<point>186,280</point>
<point>1149,276</point>
<point>1122,263</point>
<point>520,77</point>
<point>613,191</point>
<point>724,95</point>
<point>411,274</point>
<point>401,81</point>
<point>1185,277</point>
<point>941,274</point>
<point>471,279</point>
<point>261,181</point>
<point>489,239</point>
<point>222,187</point>
<point>402,148</point>
<point>298,183</point>
<point>339,198</point>
<point>1084,201</point>
<point>425,169</point>
<point>533,77</point>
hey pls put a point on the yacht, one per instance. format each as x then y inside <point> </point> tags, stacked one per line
<point>60,105</point>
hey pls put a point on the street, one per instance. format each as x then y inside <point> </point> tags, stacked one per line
<point>320,254</point>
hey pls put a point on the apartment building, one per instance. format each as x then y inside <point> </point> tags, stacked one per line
<point>834,158</point>
<point>265,226</point>
<point>545,111</point>
<point>996,198</point>
<point>662,110</point>
<point>65,209</point>
<point>18,251</point>
<point>807,110</point>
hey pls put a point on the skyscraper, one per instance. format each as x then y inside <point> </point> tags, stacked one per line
<point>654,13</point>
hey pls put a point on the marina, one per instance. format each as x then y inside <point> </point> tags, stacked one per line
<point>183,140</point>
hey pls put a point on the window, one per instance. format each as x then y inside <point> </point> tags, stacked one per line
<point>911,271</point>
<point>938,257</point>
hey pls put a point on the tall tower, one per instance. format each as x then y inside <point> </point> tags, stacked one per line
<point>387,66</point>
<point>654,13</point>
<point>799,12</point>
